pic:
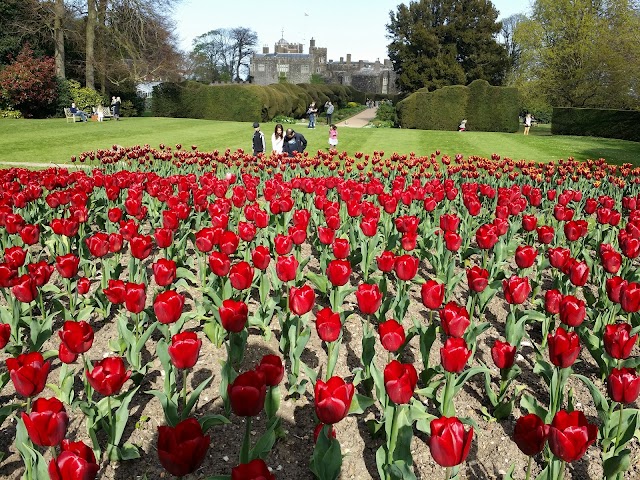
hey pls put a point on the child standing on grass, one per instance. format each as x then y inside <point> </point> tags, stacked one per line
<point>333,136</point>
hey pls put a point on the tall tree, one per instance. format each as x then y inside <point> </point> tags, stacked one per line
<point>582,53</point>
<point>507,35</point>
<point>223,54</point>
<point>90,29</point>
<point>58,36</point>
<point>445,42</point>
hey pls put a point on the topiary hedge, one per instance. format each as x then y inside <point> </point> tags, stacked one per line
<point>486,108</point>
<point>244,102</point>
<point>596,122</point>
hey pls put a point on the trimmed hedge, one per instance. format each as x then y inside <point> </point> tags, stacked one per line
<point>245,103</point>
<point>486,108</point>
<point>596,122</point>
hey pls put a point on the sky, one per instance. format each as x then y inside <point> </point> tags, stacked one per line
<point>342,26</point>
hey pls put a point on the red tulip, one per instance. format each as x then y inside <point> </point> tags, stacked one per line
<point>14,257</point>
<point>326,235</point>
<point>247,393</point>
<point>135,296</point>
<point>301,299</point>
<point>333,399</point>
<point>503,354</point>
<point>369,226</point>
<point>452,241</point>
<point>432,294</point>
<point>260,257</point>
<point>28,372</point>
<point>486,236</point>
<point>219,263</point>
<point>392,335</point>
<point>205,239</point>
<point>341,248</point>
<point>76,462</point>
<point>67,265</point>
<point>525,256</point>
<point>77,337</point>
<point>516,289</point>
<point>614,287</point>
<point>449,443</point>
<point>246,231</point>
<point>5,334</point>
<point>454,319</point>
<point>570,435</point>
<point>328,325</point>
<point>233,315</point>
<point>98,244</point>
<point>47,423</point>
<point>273,369</point>
<point>184,349</point>
<point>406,267</point>
<point>545,234</point>
<point>182,449</point>
<point>530,434</point>
<point>141,246</point>
<point>618,341</point>
<point>115,292</point>
<point>386,261</point>
<point>449,222</point>
<point>477,278</point>
<point>30,234</point>
<point>369,298</point>
<point>572,311</point>
<point>623,385</point>
<point>552,299</point>
<point>611,261</point>
<point>241,275</point>
<point>339,272</point>
<point>579,274</point>
<point>164,272</point>
<point>400,381</point>
<point>283,244</point>
<point>529,223</point>
<point>286,268</point>
<point>83,285</point>
<point>24,289</point>
<point>254,470</point>
<point>115,242</point>
<point>630,297</point>
<point>564,347</point>
<point>454,355</point>
<point>108,376</point>
<point>229,242</point>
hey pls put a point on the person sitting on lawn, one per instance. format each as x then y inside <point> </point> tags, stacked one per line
<point>76,111</point>
<point>463,125</point>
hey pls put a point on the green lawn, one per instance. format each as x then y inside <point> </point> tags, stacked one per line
<point>55,141</point>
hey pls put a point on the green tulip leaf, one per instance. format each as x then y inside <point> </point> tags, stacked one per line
<point>359,404</point>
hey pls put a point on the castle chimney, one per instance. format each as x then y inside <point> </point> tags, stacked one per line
<point>265,49</point>
<point>312,43</point>
<point>360,64</point>
<point>341,59</point>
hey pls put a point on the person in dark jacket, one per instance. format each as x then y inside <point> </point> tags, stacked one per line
<point>258,139</point>
<point>293,142</point>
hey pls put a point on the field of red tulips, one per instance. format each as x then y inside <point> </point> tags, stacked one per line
<point>213,315</point>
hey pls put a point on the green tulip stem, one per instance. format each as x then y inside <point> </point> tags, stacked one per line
<point>330,348</point>
<point>447,407</point>
<point>391,444</point>
<point>619,430</point>
<point>185,373</point>
<point>111,423</point>
<point>562,470</point>
<point>28,405</point>
<point>529,468</point>
<point>246,441</point>
<point>447,474</point>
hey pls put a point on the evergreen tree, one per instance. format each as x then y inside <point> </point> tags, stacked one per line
<point>435,43</point>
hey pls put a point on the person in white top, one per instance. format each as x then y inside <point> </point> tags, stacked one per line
<point>527,123</point>
<point>277,139</point>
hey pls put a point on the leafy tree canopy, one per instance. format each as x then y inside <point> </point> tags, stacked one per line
<point>446,42</point>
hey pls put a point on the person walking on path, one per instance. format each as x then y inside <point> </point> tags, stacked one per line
<point>293,142</point>
<point>277,139</point>
<point>258,140</point>
<point>312,114</point>
<point>527,123</point>
<point>329,108</point>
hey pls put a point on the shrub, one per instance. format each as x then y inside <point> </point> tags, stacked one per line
<point>283,119</point>
<point>10,113</point>
<point>596,122</point>
<point>128,109</point>
<point>29,84</point>
<point>386,113</point>
<point>487,108</point>
<point>352,104</point>
<point>85,98</point>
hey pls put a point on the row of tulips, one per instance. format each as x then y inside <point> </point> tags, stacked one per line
<point>372,236</point>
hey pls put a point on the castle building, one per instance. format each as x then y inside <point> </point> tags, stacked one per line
<point>289,63</point>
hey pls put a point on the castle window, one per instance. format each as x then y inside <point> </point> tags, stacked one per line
<point>318,70</point>
<point>304,68</point>
<point>283,68</point>
<point>261,67</point>
<point>321,59</point>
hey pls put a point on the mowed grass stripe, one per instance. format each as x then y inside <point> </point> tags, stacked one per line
<point>55,141</point>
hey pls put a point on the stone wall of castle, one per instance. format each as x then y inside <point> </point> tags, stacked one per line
<point>290,64</point>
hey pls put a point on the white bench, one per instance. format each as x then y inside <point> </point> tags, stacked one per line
<point>71,116</point>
